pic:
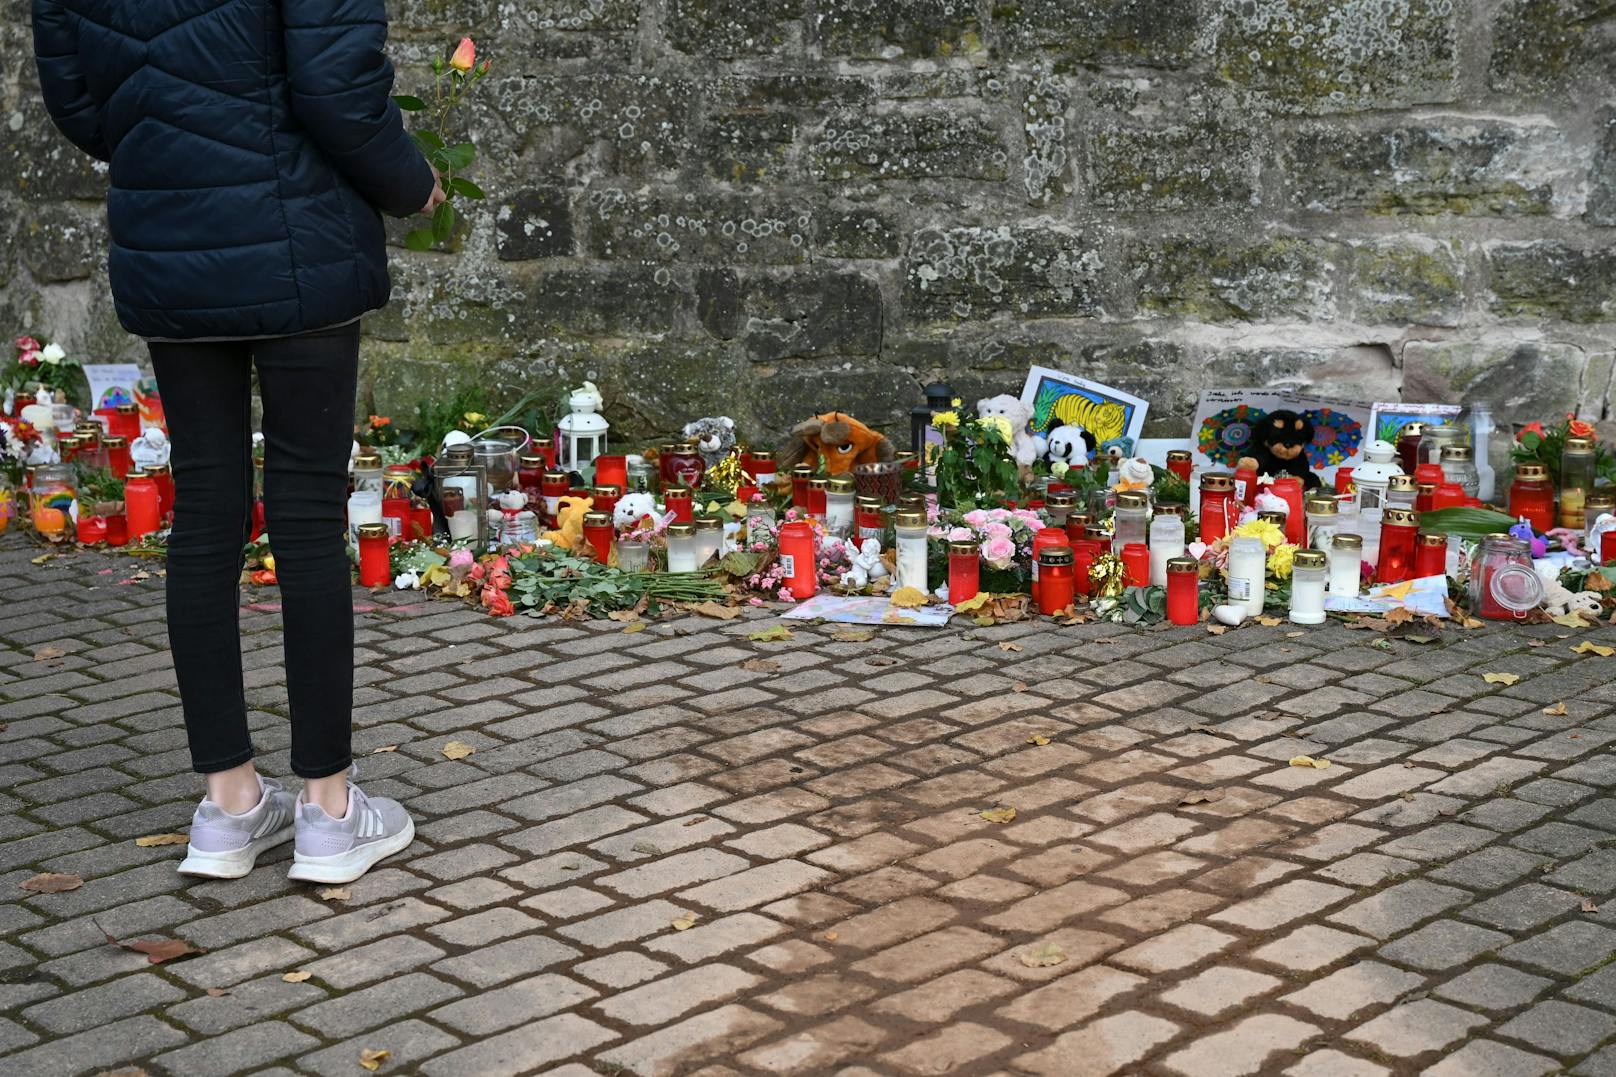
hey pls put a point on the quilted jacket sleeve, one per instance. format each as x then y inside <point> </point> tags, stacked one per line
<point>61,79</point>
<point>341,86</point>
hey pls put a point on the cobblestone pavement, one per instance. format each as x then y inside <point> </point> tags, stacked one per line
<point>1430,902</point>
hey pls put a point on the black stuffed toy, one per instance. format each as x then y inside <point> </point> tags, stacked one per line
<point>1280,446</point>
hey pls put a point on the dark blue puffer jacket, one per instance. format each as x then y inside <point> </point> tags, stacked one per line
<point>251,143</point>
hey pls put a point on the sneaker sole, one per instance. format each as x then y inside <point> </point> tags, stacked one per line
<point>348,866</point>
<point>236,863</point>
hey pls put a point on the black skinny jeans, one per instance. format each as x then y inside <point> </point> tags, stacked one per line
<point>307,386</point>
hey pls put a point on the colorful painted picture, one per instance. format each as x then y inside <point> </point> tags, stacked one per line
<point>1060,399</point>
<point>1226,420</point>
<point>112,384</point>
<point>1387,420</point>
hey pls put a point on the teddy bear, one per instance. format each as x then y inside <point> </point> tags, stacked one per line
<point>513,522</point>
<point>713,437</point>
<point>1066,443</point>
<point>571,518</point>
<point>632,508</point>
<point>1134,474</point>
<point>840,439</point>
<point>1558,601</point>
<point>1023,449</point>
<point>1279,447</point>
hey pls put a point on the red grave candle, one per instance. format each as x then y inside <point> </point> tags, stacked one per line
<point>801,475</point>
<point>374,567</point>
<point>1180,462</point>
<point>1431,555</point>
<point>1183,590</point>
<point>1448,495</point>
<point>141,505</point>
<point>1289,489</point>
<point>797,556</point>
<point>1219,513</point>
<point>598,533</point>
<point>1057,579</point>
<point>611,471</point>
<point>1045,538</point>
<point>1245,485</point>
<point>1085,552</point>
<point>964,571</point>
<point>606,498</point>
<point>163,475</point>
<point>1399,529</point>
<point>1136,560</point>
<point>680,503</point>
<point>1343,480</point>
<point>1531,497</point>
<point>117,530</point>
<point>92,529</point>
<point>396,516</point>
<point>1607,548</point>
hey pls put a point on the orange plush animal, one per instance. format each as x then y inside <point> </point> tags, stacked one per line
<point>840,439</point>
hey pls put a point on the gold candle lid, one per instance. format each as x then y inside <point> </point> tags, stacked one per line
<point>910,518</point>
<point>530,460</point>
<point>842,484</point>
<point>681,530</point>
<point>1402,483</point>
<point>819,484</point>
<point>1580,444</point>
<point>709,523</point>
<point>1062,499</point>
<point>553,476</point>
<point>1055,555</point>
<point>1177,456</point>
<point>113,441</point>
<point>1183,564</point>
<point>1309,559</point>
<point>1411,430</point>
<point>365,531</point>
<point>1093,531</point>
<point>126,409</point>
<point>1400,517</point>
<point>1171,508</point>
<point>1456,452</point>
<point>866,502</point>
<point>684,447</point>
<point>1217,482</point>
<point>802,471</point>
<point>1601,499</point>
<point>1276,518</point>
<point>963,548</point>
<point>608,490</point>
<point>676,493</point>
<point>597,519</point>
<point>159,469</point>
<point>1432,538</point>
<point>368,460</point>
<point>1348,542</point>
<point>1322,506</point>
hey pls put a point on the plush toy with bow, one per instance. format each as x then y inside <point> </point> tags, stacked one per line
<point>840,440</point>
<point>571,518</point>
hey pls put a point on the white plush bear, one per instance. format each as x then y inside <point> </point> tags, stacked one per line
<point>513,522</point>
<point>631,508</point>
<point>1023,449</point>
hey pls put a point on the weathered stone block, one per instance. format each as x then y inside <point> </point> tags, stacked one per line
<point>1464,167</point>
<point>1284,278</point>
<point>793,91</point>
<point>1602,193</point>
<point>1545,48</point>
<point>749,146</point>
<point>44,165</point>
<point>684,227</point>
<point>1407,280</point>
<point>858,232</point>
<point>1549,279</point>
<point>877,394</point>
<point>890,29</point>
<point>1199,164</point>
<point>1045,171</point>
<point>1334,56</point>
<point>534,222</point>
<point>63,242</point>
<point>642,121</point>
<point>602,300</point>
<point>1525,379</point>
<point>725,29</point>
<point>662,386</point>
<point>1356,373</point>
<point>903,145</point>
<point>1148,33</point>
<point>784,314</point>
<point>975,272</point>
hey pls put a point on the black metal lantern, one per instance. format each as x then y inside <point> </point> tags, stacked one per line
<point>939,397</point>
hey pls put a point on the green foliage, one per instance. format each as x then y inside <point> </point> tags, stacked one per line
<point>1472,524</point>
<point>975,469</point>
<point>543,580</point>
<point>97,484</point>
<point>449,87</point>
<point>435,417</point>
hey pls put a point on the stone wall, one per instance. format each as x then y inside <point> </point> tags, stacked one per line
<point>768,208</point>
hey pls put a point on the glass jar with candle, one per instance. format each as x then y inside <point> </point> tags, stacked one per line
<point>1057,590</point>
<point>1481,430</point>
<point>681,503</point>
<point>1130,520</point>
<point>818,496</point>
<point>1166,543</point>
<point>367,473</point>
<point>1425,498</point>
<point>759,518</point>
<point>457,469</point>
<point>683,553</point>
<point>801,476</point>
<point>1102,500</point>
<point>1323,522</point>
<point>1085,551</point>
<point>1576,479</point>
<point>1136,564</point>
<point>1272,517</point>
<point>91,453</point>
<point>530,469</point>
<point>1408,446</point>
<point>1503,584</point>
<point>67,448</point>
<point>398,482</point>
<point>126,421</point>
<point>1308,574</point>
<point>374,568</point>
<point>964,571</point>
<point>598,532</point>
<point>1043,539</point>
<point>1060,506</point>
<point>881,479</point>
<point>1430,554</point>
<point>142,505</point>
<point>1402,492</point>
<point>1600,500</point>
<point>911,545</point>
<point>1248,573</point>
<point>867,515</point>
<point>1077,525</point>
<point>683,466</point>
<point>1245,484</point>
<point>364,507</point>
<point>163,476</point>
<point>1288,488</point>
<point>642,476</point>
<point>1346,565</point>
<point>839,494</point>
<point>799,559</point>
<point>1448,495</point>
<point>1531,497</point>
<point>553,486</point>
<point>605,498</point>
<point>1459,468</point>
<point>709,538</point>
<point>1399,530</point>
<point>758,462</point>
<point>1183,590</point>
<point>1180,462</point>
<point>1218,512</point>
<point>1436,440</point>
<point>633,555</point>
<point>458,517</point>
<point>118,460</point>
<point>611,469</point>
<point>50,501</point>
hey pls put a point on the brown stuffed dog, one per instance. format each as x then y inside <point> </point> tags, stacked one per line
<point>840,439</point>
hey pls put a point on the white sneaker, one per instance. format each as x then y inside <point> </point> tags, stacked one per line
<point>341,850</point>
<point>225,846</point>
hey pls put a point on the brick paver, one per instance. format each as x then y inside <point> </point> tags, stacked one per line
<point>658,860</point>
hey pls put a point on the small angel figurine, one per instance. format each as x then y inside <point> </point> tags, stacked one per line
<point>513,522</point>
<point>866,565</point>
<point>150,448</point>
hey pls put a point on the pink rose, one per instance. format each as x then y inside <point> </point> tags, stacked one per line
<point>997,531</point>
<point>461,558</point>
<point>961,534</point>
<point>976,518</point>
<point>27,344</point>
<point>999,552</point>
<point>465,55</point>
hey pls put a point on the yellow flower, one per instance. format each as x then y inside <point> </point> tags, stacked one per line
<point>472,418</point>
<point>1000,425</point>
<point>1270,533</point>
<point>945,420</point>
<point>1281,560</point>
<point>956,402</point>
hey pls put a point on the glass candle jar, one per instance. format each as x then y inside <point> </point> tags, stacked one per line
<point>1576,479</point>
<point>911,544</point>
<point>683,466</point>
<point>818,498</point>
<point>801,476</point>
<point>118,460</point>
<point>1218,512</point>
<point>1308,574</point>
<point>1448,495</point>
<point>1408,446</point>
<point>553,487</point>
<point>1288,488</point>
<point>67,448</point>
<point>374,570</point>
<point>1459,468</point>
<point>759,518</point>
<point>1425,498</point>
<point>1045,538</point>
<point>605,498</point>
<point>709,537</point>
<point>398,482</point>
<point>1180,462</point>
<point>882,479</point>
<point>633,555</point>
<point>163,476</point>
<point>1136,564</point>
<point>364,507</point>
<point>1183,590</point>
<point>91,530</point>
<point>1166,543</point>
<point>681,503</point>
<point>50,500</point>
<point>907,459</point>
<point>142,505</point>
<point>91,453</point>
<point>611,470</point>
<point>964,571</point>
<point>1607,548</point>
<point>641,476</point>
<point>367,472</point>
<point>458,517</point>
<point>1503,584</point>
<point>126,421</point>
<point>1323,522</point>
<point>1531,497</point>
<point>1599,501</point>
<point>117,529</point>
<point>1077,525</point>
<point>457,469</point>
<point>867,515</point>
<point>598,532</point>
<point>1130,521</point>
<point>1437,440</point>
<point>1059,506</point>
<point>1399,530</point>
<point>1085,551</point>
<point>1346,565</point>
<point>1430,554</point>
<point>1248,572</point>
<point>682,547</point>
<point>1057,589</point>
<point>1402,491</point>
<point>839,495</point>
<point>797,558</point>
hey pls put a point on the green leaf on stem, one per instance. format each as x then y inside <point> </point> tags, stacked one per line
<point>419,239</point>
<point>428,141</point>
<point>408,102</point>
<point>443,219</point>
<point>463,186</point>
<point>461,155</point>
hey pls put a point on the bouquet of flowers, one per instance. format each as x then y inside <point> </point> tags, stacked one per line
<point>1005,537</point>
<point>42,364</point>
<point>975,466</point>
<point>1536,444</point>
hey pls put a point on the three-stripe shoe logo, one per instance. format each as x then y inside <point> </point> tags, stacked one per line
<point>370,823</point>
<point>274,818</point>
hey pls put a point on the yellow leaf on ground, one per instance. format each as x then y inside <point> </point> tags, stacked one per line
<point>1021,686</point>
<point>1400,591</point>
<point>335,893</point>
<point>976,602</point>
<point>1038,957</point>
<point>41,559</point>
<point>1571,620</point>
<point>637,626</point>
<point>161,839</point>
<point>1555,711</point>
<point>908,598</point>
<point>1038,739</point>
<point>1500,678</point>
<point>1270,622</point>
<point>1471,622</point>
<point>852,635</point>
<point>1218,630</point>
<point>1001,814</point>
<point>832,936</point>
<point>46,653</point>
<point>296,977</point>
<point>1309,761</point>
<point>455,750</point>
<point>372,1058</point>
<point>1399,615</point>
<point>772,634</point>
<point>717,609</point>
<point>1008,647</point>
<point>1586,647</point>
<point>384,748</point>
<point>685,922</point>
<point>624,616</point>
<point>51,882</point>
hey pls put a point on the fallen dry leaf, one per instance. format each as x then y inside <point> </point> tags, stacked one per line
<point>41,559</point>
<point>384,748</point>
<point>685,922</point>
<point>1555,711</point>
<point>217,992</point>
<point>372,1057</point>
<point>46,653</point>
<point>637,626</point>
<point>335,893</point>
<point>1201,796</point>
<point>1009,647</point>
<point>455,750</point>
<point>1216,630</point>
<point>1406,795</point>
<point>1270,622</point>
<point>1020,686</point>
<point>1399,615</point>
<point>296,977</point>
<point>1587,647</point>
<point>1039,957</point>
<point>1309,761</point>
<point>1500,678</point>
<point>151,840</point>
<point>852,635</point>
<point>772,634</point>
<point>1471,622</point>
<point>1537,643</point>
<point>1038,739</point>
<point>624,616</point>
<point>1588,905</point>
<point>832,936</point>
<point>51,882</point>
<point>1001,814</point>
<point>881,660</point>
<point>716,609</point>
<point>1570,620</point>
<point>908,598</point>
<point>760,665</point>
<point>156,950</point>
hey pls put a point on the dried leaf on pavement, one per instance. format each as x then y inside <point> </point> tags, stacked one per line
<point>1587,647</point>
<point>297,977</point>
<point>852,635</point>
<point>1008,646</point>
<point>384,748</point>
<point>637,626</point>
<point>157,951</point>
<point>217,992</point>
<point>1001,814</point>
<point>1038,957</point>
<point>1571,620</point>
<point>1309,761</point>
<point>1038,740</point>
<point>1201,796</point>
<point>1270,622</point>
<point>372,1057</point>
<point>151,840</point>
<point>716,609</point>
<point>456,750</point>
<point>772,634</point>
<point>1500,678</point>
<point>1555,710</point>
<point>685,922</point>
<point>335,893</point>
<point>908,598</point>
<point>1588,905</point>
<point>51,882</point>
<point>1399,615</point>
<point>49,651</point>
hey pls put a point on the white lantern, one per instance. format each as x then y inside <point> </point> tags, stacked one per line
<point>1374,475</point>
<point>584,429</point>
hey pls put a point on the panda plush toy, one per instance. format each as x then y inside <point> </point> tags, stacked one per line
<point>1069,444</point>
